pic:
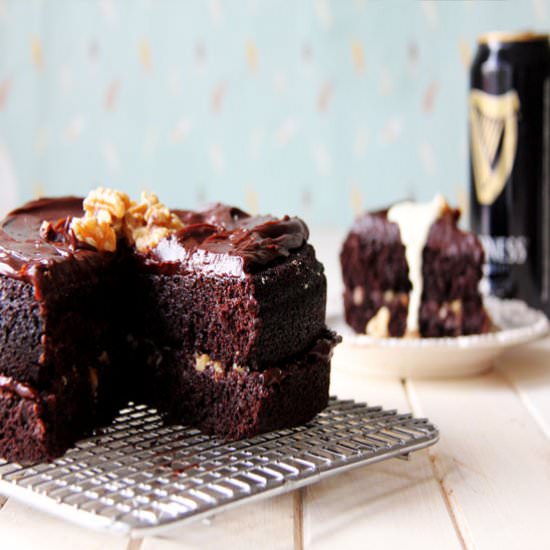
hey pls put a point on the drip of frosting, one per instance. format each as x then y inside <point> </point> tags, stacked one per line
<point>414,221</point>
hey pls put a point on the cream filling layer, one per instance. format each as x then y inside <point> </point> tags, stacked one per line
<point>415,220</point>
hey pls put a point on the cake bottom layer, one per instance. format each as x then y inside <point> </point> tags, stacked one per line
<point>455,318</point>
<point>235,403</point>
<point>41,425</point>
<point>377,313</point>
<point>25,432</point>
<point>38,425</point>
<point>383,314</point>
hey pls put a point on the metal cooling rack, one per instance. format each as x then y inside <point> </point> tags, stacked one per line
<point>140,476</point>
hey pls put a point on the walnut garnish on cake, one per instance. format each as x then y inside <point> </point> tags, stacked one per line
<point>148,222</point>
<point>110,215</point>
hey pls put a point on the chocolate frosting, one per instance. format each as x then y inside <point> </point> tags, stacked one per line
<point>221,239</point>
<point>226,240</point>
<point>22,249</point>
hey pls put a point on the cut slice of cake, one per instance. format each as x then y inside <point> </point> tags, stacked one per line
<point>217,318</point>
<point>410,270</point>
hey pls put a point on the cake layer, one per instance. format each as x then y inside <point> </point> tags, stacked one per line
<point>26,429</point>
<point>452,262</point>
<point>252,321</point>
<point>373,256</point>
<point>240,402</point>
<point>48,332</point>
<point>39,425</point>
<point>452,268</point>
<point>375,274</point>
<point>21,330</point>
<point>453,318</point>
<point>376,313</point>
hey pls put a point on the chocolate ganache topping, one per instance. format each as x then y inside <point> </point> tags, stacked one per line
<point>226,240</point>
<point>22,249</point>
<point>221,239</point>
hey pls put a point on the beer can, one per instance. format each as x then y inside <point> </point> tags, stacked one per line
<point>509,129</point>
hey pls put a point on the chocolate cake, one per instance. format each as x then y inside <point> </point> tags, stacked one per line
<point>216,318</point>
<point>410,270</point>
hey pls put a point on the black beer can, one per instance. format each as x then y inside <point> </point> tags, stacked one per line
<point>509,127</point>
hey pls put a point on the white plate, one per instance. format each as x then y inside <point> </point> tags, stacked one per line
<point>438,357</point>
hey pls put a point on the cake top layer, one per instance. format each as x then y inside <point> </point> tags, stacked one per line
<point>221,239</point>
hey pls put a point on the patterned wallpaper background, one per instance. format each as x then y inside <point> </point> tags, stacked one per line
<point>314,107</point>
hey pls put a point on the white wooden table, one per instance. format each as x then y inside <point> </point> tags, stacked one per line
<point>486,484</point>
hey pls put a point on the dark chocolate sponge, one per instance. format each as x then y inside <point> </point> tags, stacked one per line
<point>452,263</point>
<point>375,273</point>
<point>240,402</point>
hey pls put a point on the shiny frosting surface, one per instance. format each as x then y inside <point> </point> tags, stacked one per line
<point>221,239</point>
<point>224,239</point>
<point>21,247</point>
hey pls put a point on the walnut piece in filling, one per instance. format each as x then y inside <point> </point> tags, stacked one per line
<point>379,325</point>
<point>110,215</point>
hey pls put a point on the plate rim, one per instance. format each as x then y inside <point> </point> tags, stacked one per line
<point>501,338</point>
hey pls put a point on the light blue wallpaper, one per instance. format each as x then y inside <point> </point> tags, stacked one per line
<point>310,107</point>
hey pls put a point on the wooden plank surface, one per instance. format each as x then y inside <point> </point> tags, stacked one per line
<point>386,505</point>
<point>528,370</point>
<point>493,460</point>
<point>267,524</point>
<point>23,528</point>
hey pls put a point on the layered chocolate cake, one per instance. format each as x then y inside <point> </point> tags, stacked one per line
<point>216,318</point>
<point>410,270</point>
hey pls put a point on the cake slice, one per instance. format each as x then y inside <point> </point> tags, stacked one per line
<point>410,270</point>
<point>216,318</point>
<point>224,304</point>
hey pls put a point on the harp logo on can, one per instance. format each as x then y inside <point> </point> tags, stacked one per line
<point>494,141</point>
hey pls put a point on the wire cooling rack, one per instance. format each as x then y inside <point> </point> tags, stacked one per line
<point>141,476</point>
